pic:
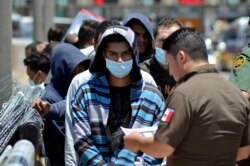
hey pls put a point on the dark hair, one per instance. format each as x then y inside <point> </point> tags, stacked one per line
<point>187,40</point>
<point>32,47</point>
<point>86,33</point>
<point>168,22</point>
<point>48,50</point>
<point>56,33</point>
<point>103,26</point>
<point>71,39</point>
<point>38,61</point>
<point>112,38</point>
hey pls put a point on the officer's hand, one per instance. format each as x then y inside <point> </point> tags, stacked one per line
<point>42,107</point>
<point>132,141</point>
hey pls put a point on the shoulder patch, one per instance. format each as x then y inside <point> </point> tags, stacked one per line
<point>239,61</point>
<point>167,116</point>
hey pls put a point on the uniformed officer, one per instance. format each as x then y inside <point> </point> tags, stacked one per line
<point>206,119</point>
<point>240,74</point>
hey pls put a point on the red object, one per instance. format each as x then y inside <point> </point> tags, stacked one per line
<point>191,2</point>
<point>92,14</point>
<point>167,115</point>
<point>98,2</point>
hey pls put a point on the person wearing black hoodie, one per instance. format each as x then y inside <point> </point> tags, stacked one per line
<point>67,61</point>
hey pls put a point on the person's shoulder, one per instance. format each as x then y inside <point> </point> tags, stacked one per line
<point>239,75</point>
<point>245,51</point>
<point>81,78</point>
<point>151,92</point>
<point>241,63</point>
<point>145,65</point>
<point>51,94</point>
<point>148,78</point>
<point>149,83</point>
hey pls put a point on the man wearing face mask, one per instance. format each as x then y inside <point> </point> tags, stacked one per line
<point>157,65</point>
<point>67,61</point>
<point>115,95</point>
<point>70,154</point>
<point>38,66</point>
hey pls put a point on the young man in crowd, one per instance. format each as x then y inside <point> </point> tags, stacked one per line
<point>144,32</point>
<point>86,36</point>
<point>157,65</point>
<point>71,158</point>
<point>115,95</point>
<point>67,61</point>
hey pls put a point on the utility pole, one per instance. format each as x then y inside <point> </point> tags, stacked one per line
<point>38,23</point>
<point>43,12</point>
<point>5,38</point>
<point>49,12</point>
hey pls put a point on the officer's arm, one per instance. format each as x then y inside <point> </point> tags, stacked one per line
<point>148,145</point>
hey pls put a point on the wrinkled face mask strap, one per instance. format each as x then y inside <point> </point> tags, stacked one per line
<point>35,77</point>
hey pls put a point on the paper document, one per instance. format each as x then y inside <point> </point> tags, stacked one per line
<point>145,131</point>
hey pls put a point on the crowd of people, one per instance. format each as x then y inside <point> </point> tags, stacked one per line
<point>130,74</point>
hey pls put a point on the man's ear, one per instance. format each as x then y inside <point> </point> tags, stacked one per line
<point>41,76</point>
<point>182,56</point>
<point>92,42</point>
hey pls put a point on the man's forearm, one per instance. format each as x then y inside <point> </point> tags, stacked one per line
<point>155,148</point>
<point>148,145</point>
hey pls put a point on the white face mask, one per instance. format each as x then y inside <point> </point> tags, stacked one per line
<point>160,56</point>
<point>33,84</point>
<point>32,81</point>
<point>119,69</point>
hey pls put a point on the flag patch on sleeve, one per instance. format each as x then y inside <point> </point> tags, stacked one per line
<point>167,116</point>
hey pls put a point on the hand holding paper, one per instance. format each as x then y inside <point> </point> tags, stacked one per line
<point>145,131</point>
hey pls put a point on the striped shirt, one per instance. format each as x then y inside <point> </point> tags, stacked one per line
<point>90,110</point>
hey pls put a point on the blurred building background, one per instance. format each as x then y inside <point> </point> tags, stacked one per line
<point>199,13</point>
<point>215,19</point>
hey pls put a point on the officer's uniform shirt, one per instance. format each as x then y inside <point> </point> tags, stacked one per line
<point>240,74</point>
<point>205,120</point>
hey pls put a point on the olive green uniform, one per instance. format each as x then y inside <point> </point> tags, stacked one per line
<point>240,74</point>
<point>209,119</point>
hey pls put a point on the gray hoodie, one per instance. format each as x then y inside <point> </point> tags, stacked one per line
<point>147,24</point>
